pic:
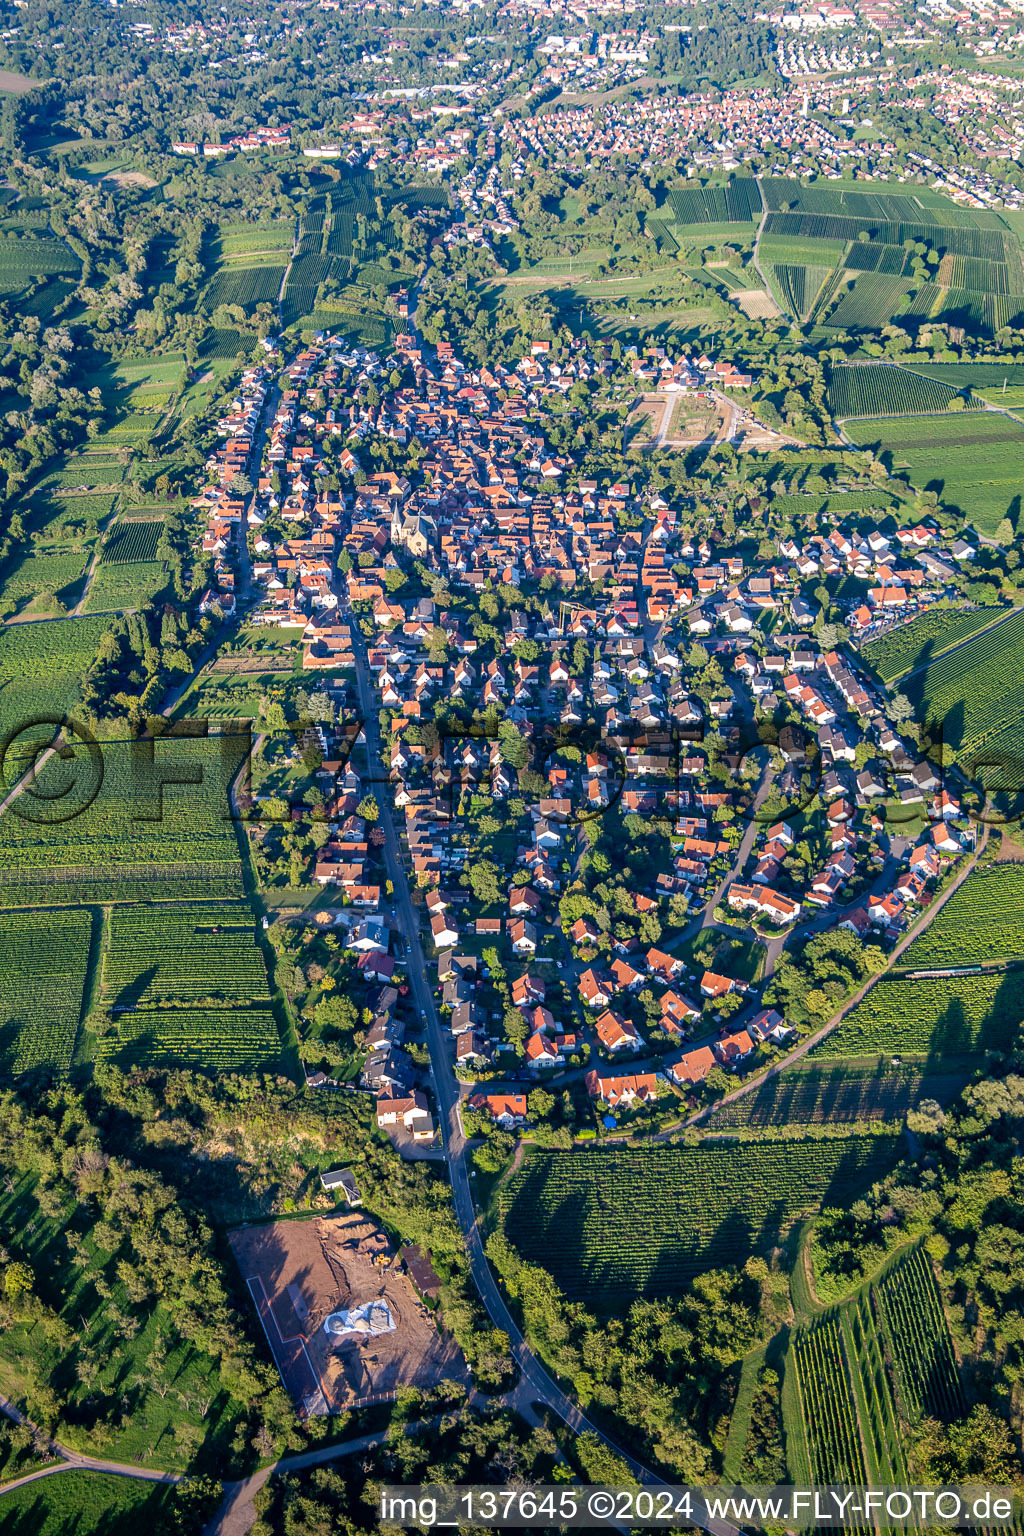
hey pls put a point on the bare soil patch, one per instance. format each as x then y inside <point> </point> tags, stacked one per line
<point>130,179</point>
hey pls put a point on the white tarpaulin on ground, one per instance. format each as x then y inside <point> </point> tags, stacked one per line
<point>371,1317</point>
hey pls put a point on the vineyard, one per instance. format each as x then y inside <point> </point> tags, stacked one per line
<point>218,1040</point>
<point>244,286</point>
<point>738,203</point>
<point>938,1017</point>
<point>132,541</point>
<point>224,344</point>
<point>839,1094</point>
<point>870,303</point>
<point>46,955</point>
<point>42,667</point>
<point>917,1340</point>
<point>927,636</point>
<point>84,471</point>
<point>32,574</point>
<point>183,955</point>
<point>882,1439</point>
<point>889,260</point>
<point>187,985</point>
<point>1000,383</point>
<point>976,693</point>
<point>25,259</point>
<point>135,819</point>
<point>892,201</point>
<point>828,1413</point>
<point>416,197</point>
<point>122,586</point>
<point>886,390</point>
<point>987,244</point>
<point>983,920</point>
<point>974,459</point>
<point>610,1225</point>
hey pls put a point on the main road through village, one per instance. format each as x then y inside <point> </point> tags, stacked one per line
<point>540,1383</point>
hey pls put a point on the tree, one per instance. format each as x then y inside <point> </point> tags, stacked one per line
<point>512,745</point>
<point>18,1280</point>
<point>484,881</point>
<point>368,808</point>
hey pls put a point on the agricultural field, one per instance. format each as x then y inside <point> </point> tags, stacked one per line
<point>133,826</point>
<point>238,1039</point>
<point>737,203</point>
<point>884,389</point>
<point>611,1225</point>
<point>46,957</point>
<point>829,1414</point>
<point>844,1093</point>
<point>972,273</point>
<point>837,502</point>
<point>975,460</point>
<point>976,693</point>
<point>870,302</point>
<point>917,1340</point>
<point>927,636</point>
<point>326,253</point>
<point>23,260</point>
<point>982,921</point>
<point>82,473</point>
<point>881,1433</point>
<point>943,1019</point>
<point>247,237</point>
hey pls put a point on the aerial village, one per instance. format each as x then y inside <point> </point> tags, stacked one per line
<point>600,679</point>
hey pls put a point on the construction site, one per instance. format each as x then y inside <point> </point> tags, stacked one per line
<point>345,1324</point>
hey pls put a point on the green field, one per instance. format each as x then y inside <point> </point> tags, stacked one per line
<point>182,955</point>
<point>88,1502</point>
<point>132,541</point>
<point>611,1225</point>
<point>928,635</point>
<point>46,956</point>
<point>122,587</point>
<point>974,460</point>
<point>42,667</point>
<point>983,920</point>
<point>49,568</point>
<point>941,1019</point>
<point>976,696</point>
<point>1000,383</point>
<point>126,825</point>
